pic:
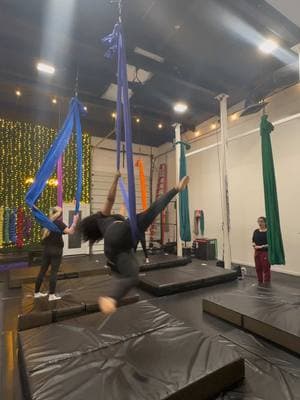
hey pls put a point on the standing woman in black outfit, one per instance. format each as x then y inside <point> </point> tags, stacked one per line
<point>52,252</point>
<point>118,244</point>
<point>260,245</point>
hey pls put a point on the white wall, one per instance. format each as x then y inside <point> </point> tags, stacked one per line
<point>245,181</point>
<point>103,169</point>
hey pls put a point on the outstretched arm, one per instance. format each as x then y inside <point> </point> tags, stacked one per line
<point>111,197</point>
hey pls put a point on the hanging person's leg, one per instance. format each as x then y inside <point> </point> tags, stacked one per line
<point>128,267</point>
<point>46,259</point>
<point>146,218</point>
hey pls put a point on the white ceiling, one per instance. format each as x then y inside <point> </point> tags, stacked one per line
<point>289,8</point>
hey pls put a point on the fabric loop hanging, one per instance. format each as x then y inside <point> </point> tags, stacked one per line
<point>116,43</point>
<point>46,170</point>
<point>276,250</point>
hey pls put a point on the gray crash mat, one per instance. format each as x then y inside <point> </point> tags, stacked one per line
<point>179,279</point>
<point>79,296</point>
<point>268,312</point>
<point>138,353</point>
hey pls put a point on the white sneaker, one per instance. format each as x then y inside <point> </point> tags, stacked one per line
<point>53,297</point>
<point>40,294</point>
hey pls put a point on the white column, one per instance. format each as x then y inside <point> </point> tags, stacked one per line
<point>178,139</point>
<point>224,179</point>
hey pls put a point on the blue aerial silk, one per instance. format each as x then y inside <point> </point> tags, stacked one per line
<point>116,44</point>
<point>48,166</point>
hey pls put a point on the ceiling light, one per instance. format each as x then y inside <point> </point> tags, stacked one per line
<point>268,46</point>
<point>213,126</point>
<point>197,133</point>
<point>137,120</point>
<point>46,68</point>
<point>180,107</point>
<point>114,115</point>
<point>54,101</point>
<point>234,117</point>
<point>160,126</point>
<point>18,93</point>
<point>85,108</point>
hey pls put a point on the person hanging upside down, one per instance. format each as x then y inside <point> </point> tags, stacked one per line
<point>118,243</point>
<point>142,238</point>
<point>52,252</point>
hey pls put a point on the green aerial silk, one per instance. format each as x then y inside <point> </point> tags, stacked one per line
<point>184,214</point>
<point>202,224</point>
<point>276,250</point>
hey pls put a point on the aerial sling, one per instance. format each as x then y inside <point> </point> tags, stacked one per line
<point>184,214</point>
<point>48,166</point>
<point>116,44</point>
<point>276,250</point>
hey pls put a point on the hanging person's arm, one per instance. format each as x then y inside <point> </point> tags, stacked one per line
<point>111,197</point>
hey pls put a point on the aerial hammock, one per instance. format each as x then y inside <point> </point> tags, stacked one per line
<point>116,44</point>
<point>184,214</point>
<point>276,250</point>
<point>52,158</point>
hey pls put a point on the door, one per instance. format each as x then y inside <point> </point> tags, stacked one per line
<point>73,243</point>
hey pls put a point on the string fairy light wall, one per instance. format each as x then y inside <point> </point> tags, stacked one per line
<point>23,147</point>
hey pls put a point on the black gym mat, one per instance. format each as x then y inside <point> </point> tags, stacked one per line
<point>160,261</point>
<point>79,296</point>
<point>174,280</point>
<point>138,353</point>
<point>266,312</point>
<point>81,266</point>
<point>71,267</point>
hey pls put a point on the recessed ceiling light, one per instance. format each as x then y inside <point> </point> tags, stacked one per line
<point>46,68</point>
<point>137,120</point>
<point>180,107</point>
<point>197,133</point>
<point>85,108</point>
<point>234,117</point>
<point>18,93</point>
<point>213,126</point>
<point>268,46</point>
<point>54,101</point>
<point>160,126</point>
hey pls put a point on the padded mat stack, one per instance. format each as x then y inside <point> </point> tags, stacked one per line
<point>193,276</point>
<point>79,296</point>
<point>267,312</point>
<point>138,353</point>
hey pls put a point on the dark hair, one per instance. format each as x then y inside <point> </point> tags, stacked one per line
<point>263,218</point>
<point>89,229</point>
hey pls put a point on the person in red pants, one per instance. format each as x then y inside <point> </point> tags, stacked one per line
<point>260,245</point>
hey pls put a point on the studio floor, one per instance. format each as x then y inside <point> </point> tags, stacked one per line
<point>271,372</point>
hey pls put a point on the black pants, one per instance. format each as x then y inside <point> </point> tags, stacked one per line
<point>51,256</point>
<point>119,248</point>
